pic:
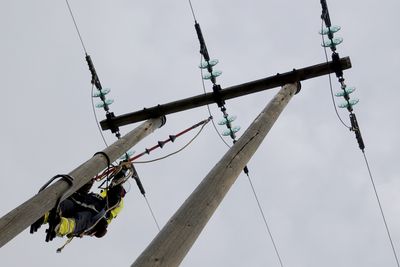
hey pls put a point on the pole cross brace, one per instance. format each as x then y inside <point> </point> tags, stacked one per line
<point>280,79</point>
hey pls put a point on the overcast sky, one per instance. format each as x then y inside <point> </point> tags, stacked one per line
<point>309,173</point>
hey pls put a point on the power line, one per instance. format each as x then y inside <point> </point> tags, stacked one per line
<point>92,90</point>
<point>265,220</point>
<point>191,8</point>
<point>152,213</point>
<point>332,43</point>
<point>380,208</point>
<point>96,82</point>
<point>204,54</point>
<point>76,27</point>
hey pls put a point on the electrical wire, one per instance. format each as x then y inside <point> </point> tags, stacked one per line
<point>92,90</point>
<point>366,163</point>
<point>380,208</point>
<point>191,8</point>
<point>76,26</point>
<point>152,213</point>
<point>330,83</point>
<point>176,152</point>
<point>204,87</point>
<point>247,173</point>
<point>94,110</point>
<point>265,220</point>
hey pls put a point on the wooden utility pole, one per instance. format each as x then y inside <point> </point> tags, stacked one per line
<point>27,213</point>
<point>223,175</point>
<point>173,242</point>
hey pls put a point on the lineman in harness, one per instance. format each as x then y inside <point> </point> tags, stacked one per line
<point>87,213</point>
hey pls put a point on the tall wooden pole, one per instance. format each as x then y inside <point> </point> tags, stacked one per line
<point>27,213</point>
<point>173,242</point>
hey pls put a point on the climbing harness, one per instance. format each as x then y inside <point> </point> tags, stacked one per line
<point>118,177</point>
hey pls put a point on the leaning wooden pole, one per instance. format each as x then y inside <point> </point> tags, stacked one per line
<point>173,242</point>
<point>27,213</point>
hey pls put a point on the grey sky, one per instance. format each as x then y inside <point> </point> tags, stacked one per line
<point>309,172</point>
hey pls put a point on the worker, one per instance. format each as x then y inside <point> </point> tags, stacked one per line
<point>85,213</point>
<point>90,214</point>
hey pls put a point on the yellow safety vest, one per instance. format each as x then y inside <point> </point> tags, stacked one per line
<point>115,210</point>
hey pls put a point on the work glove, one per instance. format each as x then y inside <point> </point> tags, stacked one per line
<point>54,220</point>
<point>36,225</point>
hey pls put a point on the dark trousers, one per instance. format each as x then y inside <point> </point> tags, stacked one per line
<point>84,218</point>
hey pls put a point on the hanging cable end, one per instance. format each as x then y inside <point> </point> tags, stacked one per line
<point>246,170</point>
